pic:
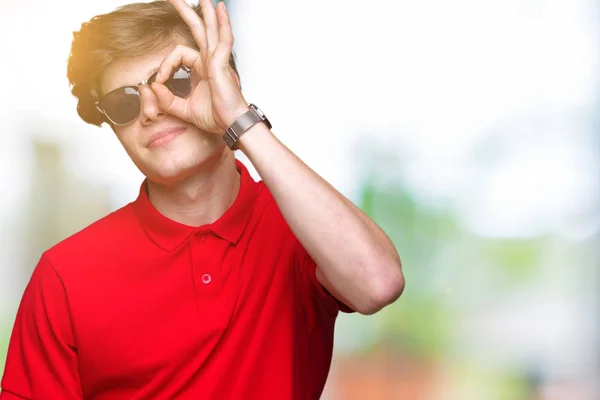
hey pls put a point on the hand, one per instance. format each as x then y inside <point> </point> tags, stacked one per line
<point>217,101</point>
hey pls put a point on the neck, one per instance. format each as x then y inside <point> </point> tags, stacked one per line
<point>201,198</point>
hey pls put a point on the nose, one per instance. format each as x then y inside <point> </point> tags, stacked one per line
<point>150,110</point>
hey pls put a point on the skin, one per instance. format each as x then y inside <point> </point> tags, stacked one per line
<point>192,177</point>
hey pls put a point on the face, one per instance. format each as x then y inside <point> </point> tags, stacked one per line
<point>165,149</point>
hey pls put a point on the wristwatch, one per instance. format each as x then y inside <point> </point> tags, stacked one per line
<point>246,121</point>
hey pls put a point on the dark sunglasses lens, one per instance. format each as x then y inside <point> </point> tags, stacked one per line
<point>122,106</point>
<point>180,83</point>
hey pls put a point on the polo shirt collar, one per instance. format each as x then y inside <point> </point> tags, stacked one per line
<point>169,234</point>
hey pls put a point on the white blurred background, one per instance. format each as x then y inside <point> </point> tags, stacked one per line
<point>468,129</point>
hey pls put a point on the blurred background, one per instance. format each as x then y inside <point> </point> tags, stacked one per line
<point>469,130</point>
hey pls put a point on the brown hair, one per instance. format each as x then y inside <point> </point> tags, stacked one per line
<point>129,31</point>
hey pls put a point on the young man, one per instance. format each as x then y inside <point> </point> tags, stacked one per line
<point>210,285</point>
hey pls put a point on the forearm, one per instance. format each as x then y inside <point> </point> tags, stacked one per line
<point>353,253</point>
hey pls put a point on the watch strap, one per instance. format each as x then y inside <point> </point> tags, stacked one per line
<point>242,124</point>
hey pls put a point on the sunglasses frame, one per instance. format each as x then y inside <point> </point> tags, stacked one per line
<point>136,88</point>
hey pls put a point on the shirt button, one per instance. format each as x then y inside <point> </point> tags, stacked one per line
<point>206,278</point>
<point>202,237</point>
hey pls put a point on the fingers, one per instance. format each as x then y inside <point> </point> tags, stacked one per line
<point>168,102</point>
<point>225,46</point>
<point>193,21</point>
<point>180,55</point>
<point>166,99</point>
<point>212,31</point>
<point>211,24</point>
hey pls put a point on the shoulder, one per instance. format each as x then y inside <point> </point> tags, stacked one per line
<point>94,240</point>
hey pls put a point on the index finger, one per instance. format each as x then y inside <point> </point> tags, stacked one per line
<point>193,21</point>
<point>180,55</point>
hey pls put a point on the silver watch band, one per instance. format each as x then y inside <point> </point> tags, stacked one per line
<point>246,121</point>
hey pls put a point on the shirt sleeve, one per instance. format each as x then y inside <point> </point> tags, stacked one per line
<point>318,298</point>
<point>42,357</point>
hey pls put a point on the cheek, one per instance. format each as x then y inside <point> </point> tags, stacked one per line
<point>127,139</point>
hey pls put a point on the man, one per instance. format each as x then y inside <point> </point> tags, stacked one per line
<point>210,285</point>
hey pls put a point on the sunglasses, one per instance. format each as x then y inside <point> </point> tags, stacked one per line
<point>122,106</point>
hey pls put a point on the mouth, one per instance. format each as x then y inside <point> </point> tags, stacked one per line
<point>163,137</point>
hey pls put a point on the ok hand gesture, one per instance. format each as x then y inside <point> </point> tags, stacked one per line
<point>217,101</point>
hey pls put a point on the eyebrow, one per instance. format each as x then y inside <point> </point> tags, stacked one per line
<point>151,72</point>
<point>148,75</point>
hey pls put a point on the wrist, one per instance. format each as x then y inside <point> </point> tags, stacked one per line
<point>255,138</point>
<point>244,123</point>
<point>236,112</point>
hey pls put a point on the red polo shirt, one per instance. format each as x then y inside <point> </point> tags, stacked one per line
<point>137,306</point>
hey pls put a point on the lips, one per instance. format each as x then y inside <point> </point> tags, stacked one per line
<point>161,137</point>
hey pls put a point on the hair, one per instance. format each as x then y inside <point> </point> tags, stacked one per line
<point>129,31</point>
